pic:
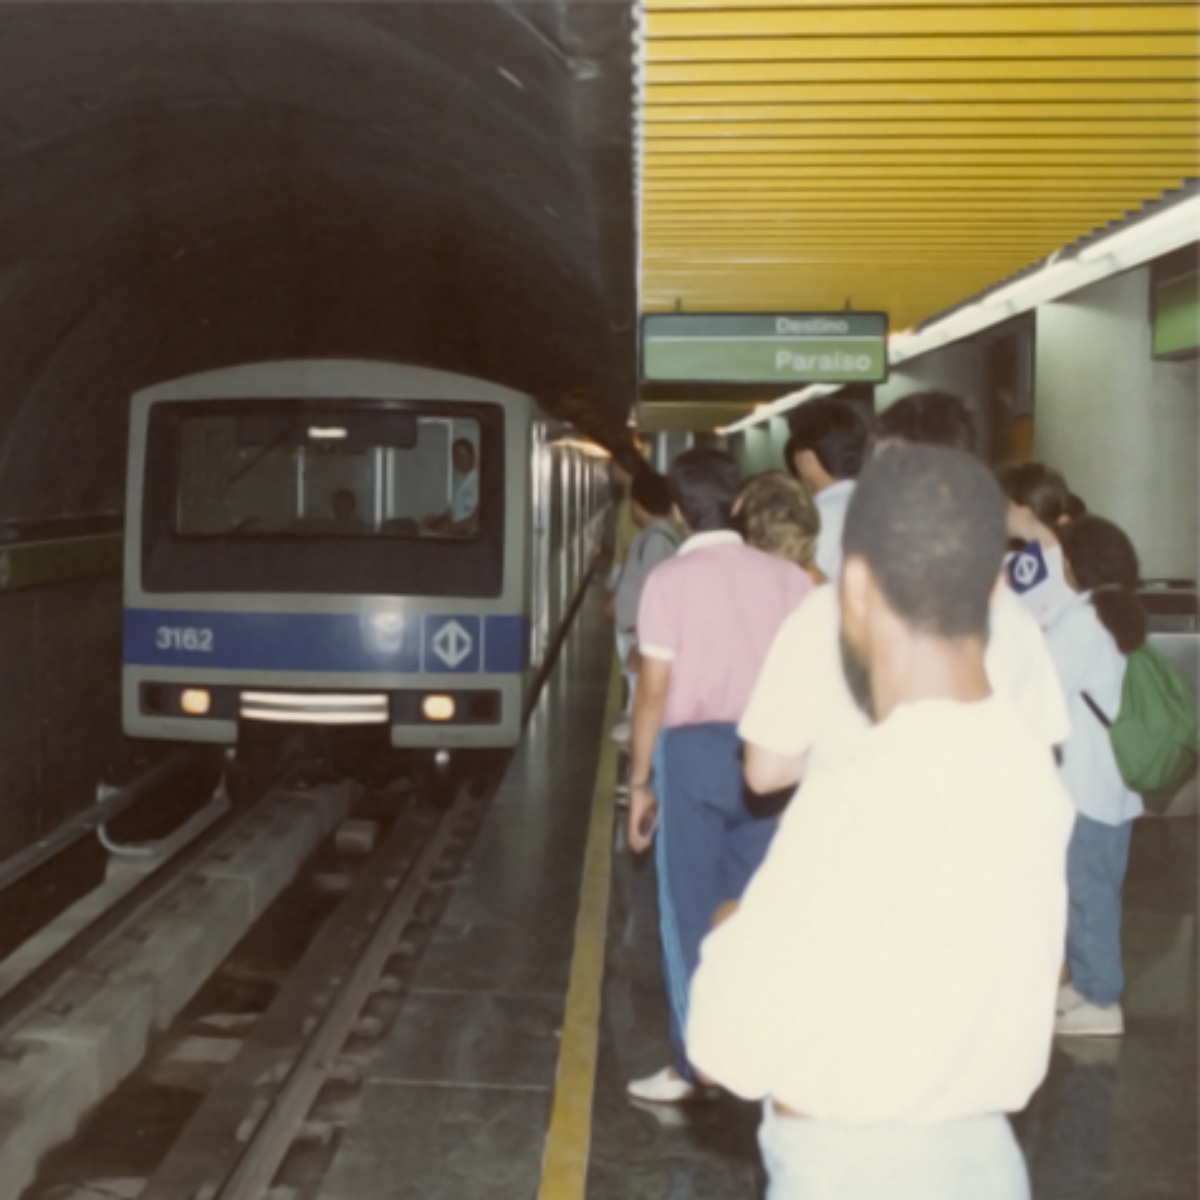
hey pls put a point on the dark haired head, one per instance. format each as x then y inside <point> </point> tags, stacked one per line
<point>705,483</point>
<point>1037,487</point>
<point>929,522</point>
<point>1075,507</point>
<point>929,418</point>
<point>833,431</point>
<point>652,492</point>
<point>462,454</point>
<point>1104,562</point>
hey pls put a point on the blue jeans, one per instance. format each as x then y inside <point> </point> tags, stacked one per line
<point>1096,861</point>
<point>975,1158</point>
<point>707,847</point>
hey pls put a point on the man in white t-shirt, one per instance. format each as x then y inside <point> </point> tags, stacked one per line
<point>825,452</point>
<point>887,983</point>
<point>801,708</point>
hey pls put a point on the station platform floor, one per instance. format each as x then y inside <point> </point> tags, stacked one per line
<point>540,996</point>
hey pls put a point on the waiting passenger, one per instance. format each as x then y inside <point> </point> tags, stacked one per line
<point>886,985</point>
<point>1089,642</point>
<point>777,515</point>
<point>1037,511</point>
<point>657,540</point>
<point>704,624</point>
<point>825,452</point>
<point>801,708</point>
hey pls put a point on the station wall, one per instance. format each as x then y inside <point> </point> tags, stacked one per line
<point>760,447</point>
<point>1120,425</point>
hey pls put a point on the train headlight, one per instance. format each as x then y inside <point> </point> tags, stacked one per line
<point>438,708</point>
<point>196,702</point>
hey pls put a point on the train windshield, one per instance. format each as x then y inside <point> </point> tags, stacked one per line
<point>338,472</point>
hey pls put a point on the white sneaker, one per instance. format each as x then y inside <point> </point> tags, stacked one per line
<point>666,1087</point>
<point>621,732</point>
<point>1068,999</point>
<point>1091,1020</point>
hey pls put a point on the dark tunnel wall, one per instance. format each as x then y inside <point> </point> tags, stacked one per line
<point>192,185</point>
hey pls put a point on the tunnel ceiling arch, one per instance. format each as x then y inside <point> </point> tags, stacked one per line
<point>191,185</point>
<point>899,155</point>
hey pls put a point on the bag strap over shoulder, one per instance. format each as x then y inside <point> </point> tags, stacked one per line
<point>1097,710</point>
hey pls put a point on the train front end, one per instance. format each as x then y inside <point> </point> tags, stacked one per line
<point>327,544</point>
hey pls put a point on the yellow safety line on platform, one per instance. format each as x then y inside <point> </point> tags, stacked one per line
<point>564,1168</point>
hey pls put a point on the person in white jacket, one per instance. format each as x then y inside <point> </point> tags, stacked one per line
<point>1089,642</point>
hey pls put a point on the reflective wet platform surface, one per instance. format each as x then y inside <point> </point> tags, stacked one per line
<point>461,1101</point>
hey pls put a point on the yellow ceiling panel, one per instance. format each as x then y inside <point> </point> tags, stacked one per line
<point>976,68</point>
<point>809,5</point>
<point>939,144</point>
<point>1015,107</point>
<point>818,48</point>
<point>924,90</point>
<point>933,19</point>
<point>903,125</point>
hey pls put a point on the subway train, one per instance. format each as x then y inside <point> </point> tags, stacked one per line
<point>348,543</point>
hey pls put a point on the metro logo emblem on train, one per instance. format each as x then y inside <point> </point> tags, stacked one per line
<point>452,644</point>
<point>1027,568</point>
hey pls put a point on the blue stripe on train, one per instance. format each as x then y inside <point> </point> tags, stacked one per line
<point>436,643</point>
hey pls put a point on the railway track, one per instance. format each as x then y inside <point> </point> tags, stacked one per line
<point>271,1117</point>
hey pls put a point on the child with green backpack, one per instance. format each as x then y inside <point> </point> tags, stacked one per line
<point>1133,723</point>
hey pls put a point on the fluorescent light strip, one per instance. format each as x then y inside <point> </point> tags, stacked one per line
<point>1149,239</point>
<point>777,408</point>
<point>307,718</point>
<point>1178,225</point>
<point>312,700</point>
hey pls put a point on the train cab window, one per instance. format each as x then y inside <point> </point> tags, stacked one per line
<point>332,476</point>
<point>389,497</point>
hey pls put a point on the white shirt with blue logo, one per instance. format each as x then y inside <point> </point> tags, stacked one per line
<point>1037,578</point>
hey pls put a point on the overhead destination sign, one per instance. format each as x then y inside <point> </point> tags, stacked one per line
<point>838,347</point>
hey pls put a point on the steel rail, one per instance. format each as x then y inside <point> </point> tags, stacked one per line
<point>274,1135</point>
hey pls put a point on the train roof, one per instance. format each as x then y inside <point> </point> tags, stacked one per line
<point>330,378</point>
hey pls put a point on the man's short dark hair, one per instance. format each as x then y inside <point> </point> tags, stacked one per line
<point>705,483</point>
<point>652,492</point>
<point>930,418</point>
<point>930,524</point>
<point>833,431</point>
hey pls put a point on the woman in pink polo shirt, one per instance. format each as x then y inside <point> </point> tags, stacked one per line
<point>705,622</point>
